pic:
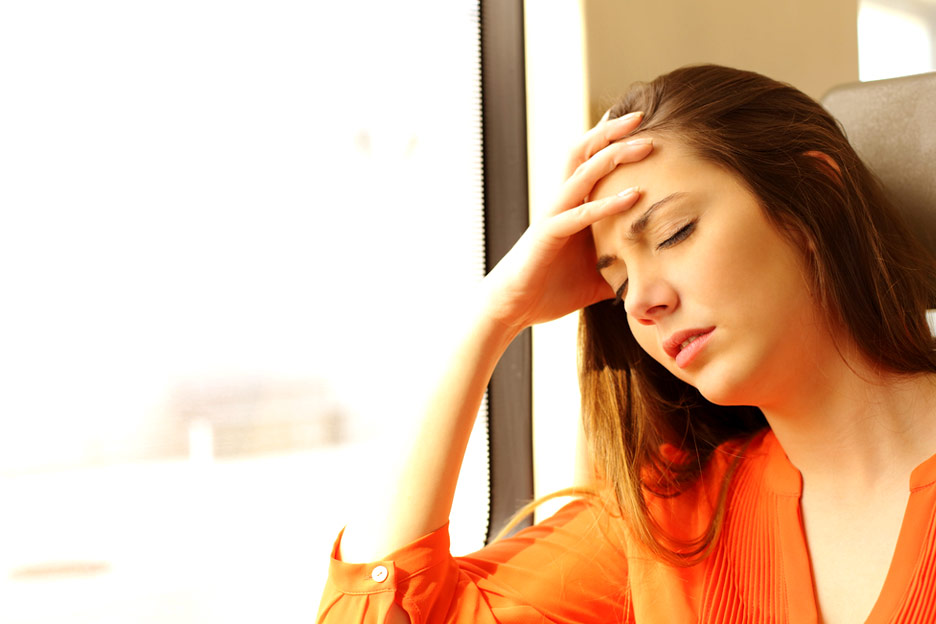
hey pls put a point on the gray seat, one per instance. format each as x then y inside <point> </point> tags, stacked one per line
<point>892,125</point>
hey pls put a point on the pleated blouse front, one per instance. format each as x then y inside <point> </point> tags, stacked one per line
<point>583,565</point>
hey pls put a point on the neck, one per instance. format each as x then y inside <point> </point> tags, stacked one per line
<point>852,429</point>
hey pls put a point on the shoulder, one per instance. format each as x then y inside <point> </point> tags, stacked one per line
<point>733,467</point>
<point>572,566</point>
<point>581,527</point>
<point>744,454</point>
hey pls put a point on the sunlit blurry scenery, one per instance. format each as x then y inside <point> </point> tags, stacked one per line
<point>226,230</point>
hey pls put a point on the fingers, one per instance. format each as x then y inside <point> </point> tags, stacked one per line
<point>583,180</point>
<point>575,220</point>
<point>603,134</point>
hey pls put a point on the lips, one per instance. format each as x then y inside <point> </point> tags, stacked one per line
<point>683,345</point>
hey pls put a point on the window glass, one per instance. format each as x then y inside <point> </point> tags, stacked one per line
<point>895,38</point>
<point>227,228</point>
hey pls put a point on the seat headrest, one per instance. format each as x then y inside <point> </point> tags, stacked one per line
<point>892,125</point>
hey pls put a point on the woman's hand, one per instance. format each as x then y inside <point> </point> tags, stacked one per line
<point>550,271</point>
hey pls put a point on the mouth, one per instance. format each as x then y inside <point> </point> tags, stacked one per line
<point>684,345</point>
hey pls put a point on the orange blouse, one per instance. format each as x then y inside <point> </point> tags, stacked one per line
<point>581,565</point>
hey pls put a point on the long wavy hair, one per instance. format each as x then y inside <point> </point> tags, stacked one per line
<point>864,269</point>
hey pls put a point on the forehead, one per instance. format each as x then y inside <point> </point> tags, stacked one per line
<point>669,162</point>
<point>670,168</point>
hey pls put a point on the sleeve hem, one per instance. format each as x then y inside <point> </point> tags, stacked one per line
<point>386,574</point>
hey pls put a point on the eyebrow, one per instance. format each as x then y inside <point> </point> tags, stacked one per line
<point>639,225</point>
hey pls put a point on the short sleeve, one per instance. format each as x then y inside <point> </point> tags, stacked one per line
<point>569,568</point>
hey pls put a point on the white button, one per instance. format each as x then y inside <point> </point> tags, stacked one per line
<point>379,574</point>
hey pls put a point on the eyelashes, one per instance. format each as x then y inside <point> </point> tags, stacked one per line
<point>683,233</point>
<point>679,236</point>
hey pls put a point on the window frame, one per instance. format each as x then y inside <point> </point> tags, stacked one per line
<point>506,217</point>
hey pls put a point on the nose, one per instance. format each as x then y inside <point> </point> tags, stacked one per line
<point>649,298</point>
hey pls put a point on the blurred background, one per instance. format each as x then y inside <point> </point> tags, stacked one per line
<point>230,233</point>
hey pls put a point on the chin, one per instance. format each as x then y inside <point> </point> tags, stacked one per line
<point>721,388</point>
<point>721,398</point>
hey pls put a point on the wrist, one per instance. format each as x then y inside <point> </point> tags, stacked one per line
<point>494,318</point>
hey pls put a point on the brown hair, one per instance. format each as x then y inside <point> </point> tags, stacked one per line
<point>865,270</point>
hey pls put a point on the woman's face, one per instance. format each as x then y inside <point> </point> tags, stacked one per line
<point>711,289</point>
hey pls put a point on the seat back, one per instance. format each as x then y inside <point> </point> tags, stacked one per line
<point>892,125</point>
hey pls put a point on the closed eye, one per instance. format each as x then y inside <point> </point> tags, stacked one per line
<point>679,236</point>
<point>683,233</point>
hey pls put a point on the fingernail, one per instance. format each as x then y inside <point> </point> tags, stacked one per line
<point>640,141</point>
<point>630,116</point>
<point>631,191</point>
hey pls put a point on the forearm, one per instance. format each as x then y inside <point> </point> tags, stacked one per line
<point>548,273</point>
<point>418,498</point>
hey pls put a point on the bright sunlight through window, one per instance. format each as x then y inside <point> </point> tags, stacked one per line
<point>895,40</point>
<point>227,229</point>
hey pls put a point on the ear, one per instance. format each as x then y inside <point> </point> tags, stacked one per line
<point>827,164</point>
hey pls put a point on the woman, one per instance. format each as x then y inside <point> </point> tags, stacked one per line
<point>757,378</point>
